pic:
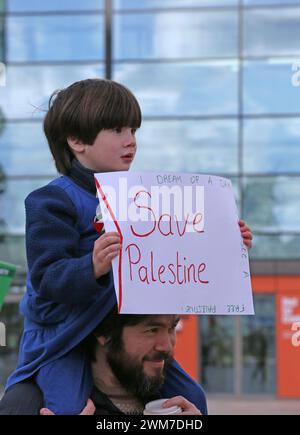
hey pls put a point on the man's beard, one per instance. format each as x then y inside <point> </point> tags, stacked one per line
<point>130,373</point>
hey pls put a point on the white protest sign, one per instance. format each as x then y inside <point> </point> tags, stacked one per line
<point>182,251</point>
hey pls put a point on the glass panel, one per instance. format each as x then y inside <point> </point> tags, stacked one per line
<point>261,32</point>
<point>37,38</point>
<point>261,79</point>
<point>259,371</point>
<point>182,89</point>
<point>217,353</point>
<point>149,4</point>
<point>2,42</point>
<point>193,146</point>
<point>13,322</point>
<point>272,203</point>
<point>175,35</point>
<point>12,250</point>
<point>12,196</point>
<point>53,5</point>
<point>2,5</point>
<point>24,149</point>
<point>277,247</point>
<point>270,2</point>
<point>19,101</point>
<point>271,145</point>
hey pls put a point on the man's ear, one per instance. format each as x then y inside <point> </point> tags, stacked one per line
<point>76,145</point>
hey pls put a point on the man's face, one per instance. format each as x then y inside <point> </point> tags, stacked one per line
<point>146,349</point>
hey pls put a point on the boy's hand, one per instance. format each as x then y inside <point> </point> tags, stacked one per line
<point>105,249</point>
<point>187,407</point>
<point>246,234</point>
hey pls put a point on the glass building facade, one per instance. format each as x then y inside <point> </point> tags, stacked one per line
<point>217,83</point>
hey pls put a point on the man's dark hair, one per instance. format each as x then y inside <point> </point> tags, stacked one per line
<point>82,110</point>
<point>111,328</point>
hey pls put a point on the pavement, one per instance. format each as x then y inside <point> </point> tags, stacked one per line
<point>252,405</point>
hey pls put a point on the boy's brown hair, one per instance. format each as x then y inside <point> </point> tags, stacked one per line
<point>82,110</point>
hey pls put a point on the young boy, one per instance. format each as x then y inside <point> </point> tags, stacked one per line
<point>90,127</point>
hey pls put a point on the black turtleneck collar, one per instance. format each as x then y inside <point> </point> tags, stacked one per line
<point>82,176</point>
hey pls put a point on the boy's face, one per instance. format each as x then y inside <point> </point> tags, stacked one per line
<point>112,150</point>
